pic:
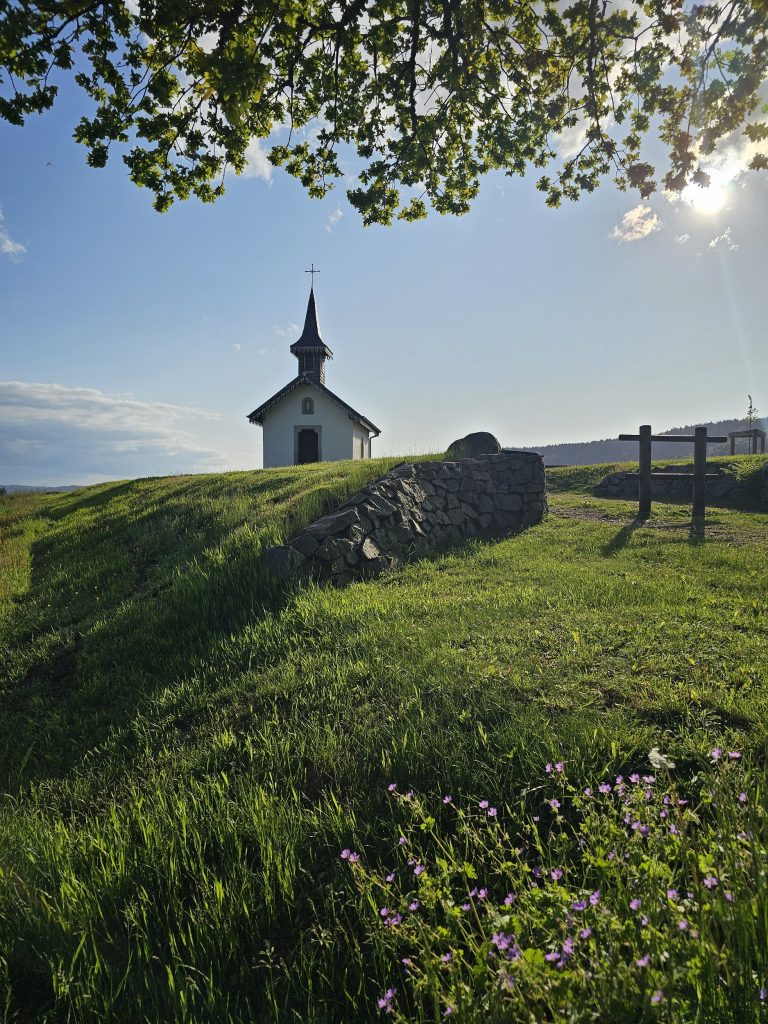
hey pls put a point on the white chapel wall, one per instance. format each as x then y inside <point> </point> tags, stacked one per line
<point>335,427</point>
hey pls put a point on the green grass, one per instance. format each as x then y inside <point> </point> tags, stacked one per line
<point>184,748</point>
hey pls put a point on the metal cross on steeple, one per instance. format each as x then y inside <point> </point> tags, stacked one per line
<point>312,272</point>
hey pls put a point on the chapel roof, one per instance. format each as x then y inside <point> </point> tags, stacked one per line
<point>257,416</point>
<point>310,340</point>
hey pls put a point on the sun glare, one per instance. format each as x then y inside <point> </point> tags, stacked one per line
<point>705,200</point>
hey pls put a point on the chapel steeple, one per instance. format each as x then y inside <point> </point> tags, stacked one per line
<point>310,350</point>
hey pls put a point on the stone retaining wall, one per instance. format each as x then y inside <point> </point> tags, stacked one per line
<point>416,508</point>
<point>727,487</point>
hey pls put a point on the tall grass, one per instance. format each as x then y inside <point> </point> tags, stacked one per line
<point>185,750</point>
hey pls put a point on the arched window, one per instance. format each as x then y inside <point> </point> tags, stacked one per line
<point>307,406</point>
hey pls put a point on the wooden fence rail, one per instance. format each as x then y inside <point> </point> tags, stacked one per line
<point>646,437</point>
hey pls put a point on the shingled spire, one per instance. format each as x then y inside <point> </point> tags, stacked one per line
<point>310,350</point>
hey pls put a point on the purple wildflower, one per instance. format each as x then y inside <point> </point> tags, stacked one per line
<point>657,997</point>
<point>551,957</point>
<point>392,787</point>
<point>672,894</point>
<point>734,755</point>
<point>649,778</point>
<point>559,767</point>
<point>492,812</point>
<point>644,960</point>
<point>673,830</point>
<point>448,799</point>
<point>385,1003</point>
<point>742,798</point>
<point>413,906</point>
<point>390,877</point>
<point>345,853</point>
<point>580,905</point>
<point>585,933</point>
<point>682,924</point>
<point>556,874</point>
<point>710,881</point>
<point>594,899</point>
<point>715,754</point>
<point>548,767</point>
<point>509,899</point>
<point>763,994</point>
<point>644,921</point>
<point>384,911</point>
<point>588,791</point>
<point>448,1010</point>
<point>465,907</point>
<point>604,787</point>
<point>555,805</point>
<point>482,893</point>
<point>635,904</point>
<point>353,858</point>
<point>501,941</point>
<point>634,778</point>
<point>483,804</point>
<point>728,897</point>
<point>402,841</point>
<point>419,870</point>
<point>447,957</point>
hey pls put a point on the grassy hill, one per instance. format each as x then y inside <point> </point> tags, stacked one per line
<point>186,750</point>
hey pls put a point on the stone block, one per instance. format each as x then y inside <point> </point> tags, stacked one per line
<point>334,548</point>
<point>378,506</point>
<point>508,502</point>
<point>337,522</point>
<point>472,445</point>
<point>369,549</point>
<point>305,543</point>
<point>280,561</point>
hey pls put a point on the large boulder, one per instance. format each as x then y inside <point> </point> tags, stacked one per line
<point>469,447</point>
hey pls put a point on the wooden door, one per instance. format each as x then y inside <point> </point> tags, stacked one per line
<point>308,447</point>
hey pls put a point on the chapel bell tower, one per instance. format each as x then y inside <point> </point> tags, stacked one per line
<point>310,350</point>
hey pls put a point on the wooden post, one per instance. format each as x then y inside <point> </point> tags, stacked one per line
<point>733,445</point>
<point>699,471</point>
<point>644,475</point>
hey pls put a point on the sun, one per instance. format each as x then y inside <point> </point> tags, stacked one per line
<point>707,200</point>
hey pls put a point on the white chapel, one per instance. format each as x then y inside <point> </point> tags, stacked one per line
<point>305,421</point>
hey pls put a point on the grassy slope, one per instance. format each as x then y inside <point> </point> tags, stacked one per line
<point>184,750</point>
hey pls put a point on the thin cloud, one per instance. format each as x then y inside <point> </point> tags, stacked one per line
<point>283,332</point>
<point>636,223</point>
<point>166,426</point>
<point>681,239</point>
<point>237,347</point>
<point>724,242</point>
<point>333,219</point>
<point>8,245</point>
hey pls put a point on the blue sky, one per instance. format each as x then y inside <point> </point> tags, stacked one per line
<point>136,344</point>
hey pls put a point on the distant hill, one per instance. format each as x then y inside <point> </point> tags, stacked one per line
<point>32,489</point>
<point>587,453</point>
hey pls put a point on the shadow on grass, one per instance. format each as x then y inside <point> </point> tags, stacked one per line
<point>121,605</point>
<point>623,537</point>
